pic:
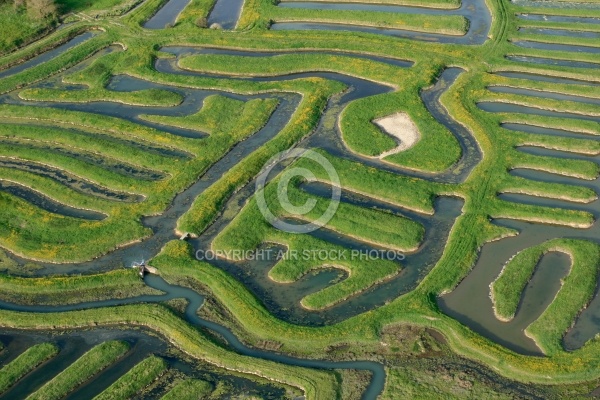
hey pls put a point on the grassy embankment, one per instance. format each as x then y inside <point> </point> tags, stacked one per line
<point>196,12</point>
<point>134,380</point>
<point>71,290</point>
<point>450,4</point>
<point>25,363</point>
<point>221,116</point>
<point>81,370</point>
<point>360,330</point>
<point>18,28</point>
<point>189,389</point>
<point>96,9</point>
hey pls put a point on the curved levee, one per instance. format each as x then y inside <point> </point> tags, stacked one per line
<point>72,181</point>
<point>40,200</point>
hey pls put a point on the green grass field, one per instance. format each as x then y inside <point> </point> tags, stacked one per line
<point>189,389</point>
<point>84,159</point>
<point>134,380</point>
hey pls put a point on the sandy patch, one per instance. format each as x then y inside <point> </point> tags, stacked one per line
<point>401,127</point>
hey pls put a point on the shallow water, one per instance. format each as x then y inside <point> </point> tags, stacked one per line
<point>226,13</point>
<point>552,61</point>
<point>470,302</point>
<point>555,4</point>
<point>167,14</point>
<point>546,131</point>
<point>561,32</point>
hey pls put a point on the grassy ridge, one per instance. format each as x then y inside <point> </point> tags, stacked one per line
<point>25,363</point>
<point>76,289</point>
<point>446,24</point>
<point>134,380</point>
<point>17,28</point>
<point>147,98</point>
<point>224,116</point>
<point>81,370</point>
<point>416,3</point>
<point>286,64</point>
<point>508,287</point>
<point>189,389</point>
<point>195,12</point>
<point>258,13</point>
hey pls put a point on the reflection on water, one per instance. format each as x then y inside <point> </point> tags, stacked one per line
<point>225,13</point>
